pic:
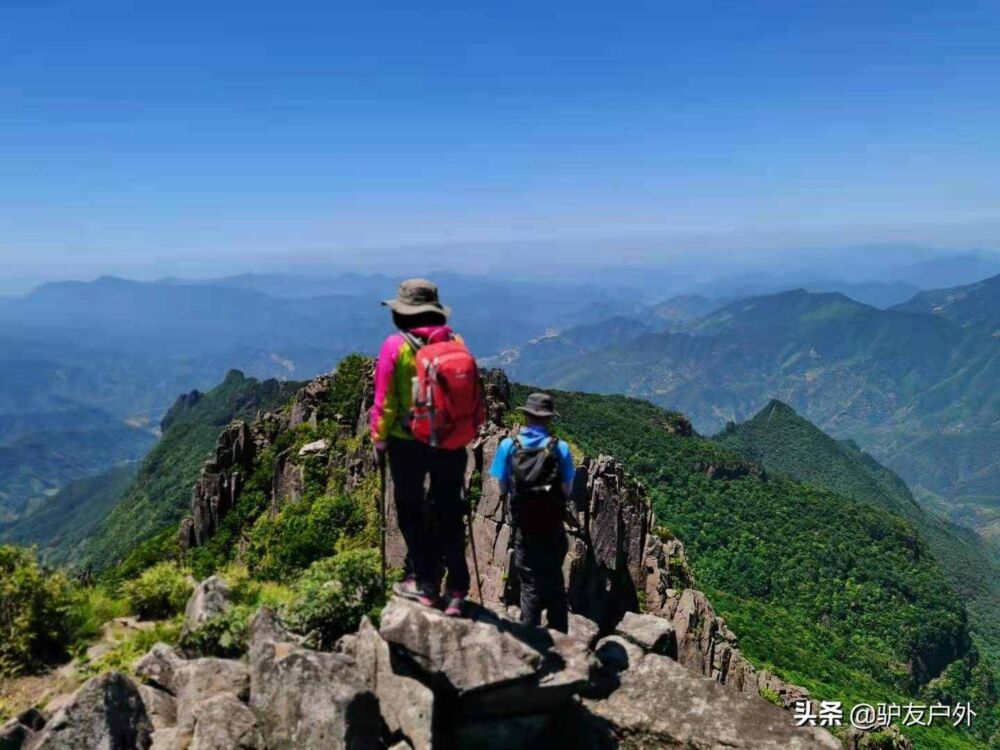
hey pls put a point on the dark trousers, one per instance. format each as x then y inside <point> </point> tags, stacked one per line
<point>538,559</point>
<point>431,520</point>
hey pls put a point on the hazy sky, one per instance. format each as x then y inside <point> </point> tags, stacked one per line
<point>199,137</point>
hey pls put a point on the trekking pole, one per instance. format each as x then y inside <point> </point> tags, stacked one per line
<point>472,544</point>
<point>380,459</point>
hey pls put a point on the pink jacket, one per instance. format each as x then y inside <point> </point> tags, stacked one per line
<point>394,375</point>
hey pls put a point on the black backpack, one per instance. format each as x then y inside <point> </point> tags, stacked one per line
<point>537,500</point>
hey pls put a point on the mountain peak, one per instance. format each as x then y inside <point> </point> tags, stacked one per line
<point>234,377</point>
<point>778,409</point>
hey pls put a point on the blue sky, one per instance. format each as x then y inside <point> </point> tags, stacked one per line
<point>199,137</point>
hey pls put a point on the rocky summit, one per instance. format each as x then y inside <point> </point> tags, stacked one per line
<point>421,680</point>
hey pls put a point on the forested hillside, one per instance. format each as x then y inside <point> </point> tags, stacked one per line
<point>42,451</point>
<point>835,594</point>
<point>785,443</point>
<point>161,492</point>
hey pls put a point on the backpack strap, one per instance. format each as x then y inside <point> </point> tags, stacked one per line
<point>415,343</point>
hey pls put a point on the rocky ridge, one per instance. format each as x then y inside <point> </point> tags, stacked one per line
<point>647,662</point>
<point>419,681</point>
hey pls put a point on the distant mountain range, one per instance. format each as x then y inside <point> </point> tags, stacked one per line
<point>918,385</point>
<point>108,357</point>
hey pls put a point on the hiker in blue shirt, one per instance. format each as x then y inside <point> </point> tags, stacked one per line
<point>536,471</point>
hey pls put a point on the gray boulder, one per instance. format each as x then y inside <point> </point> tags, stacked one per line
<point>157,668</point>
<point>651,633</point>
<point>106,713</point>
<point>583,628</point>
<point>493,666</point>
<point>659,703</point>
<point>224,723</point>
<point>161,707</point>
<point>303,698</point>
<point>201,679</point>
<point>210,599</point>
<point>171,738</point>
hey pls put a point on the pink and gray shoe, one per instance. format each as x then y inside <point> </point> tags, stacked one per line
<point>454,604</point>
<point>410,589</point>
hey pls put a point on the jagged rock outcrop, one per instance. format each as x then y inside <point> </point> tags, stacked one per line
<point>219,485</point>
<point>242,446</point>
<point>422,681</point>
<point>181,406</point>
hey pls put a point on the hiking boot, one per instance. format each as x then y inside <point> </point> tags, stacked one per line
<point>410,589</point>
<point>454,604</point>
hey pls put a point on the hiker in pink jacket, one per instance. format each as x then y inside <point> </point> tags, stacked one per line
<point>431,524</point>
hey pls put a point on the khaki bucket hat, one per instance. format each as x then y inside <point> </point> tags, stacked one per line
<point>416,296</point>
<point>539,405</point>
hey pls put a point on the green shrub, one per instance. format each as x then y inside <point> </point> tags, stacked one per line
<point>333,595</point>
<point>771,696</point>
<point>302,533</point>
<point>126,651</point>
<point>159,593</point>
<point>35,626</point>
<point>91,608</point>
<point>224,636</point>
<point>156,549</point>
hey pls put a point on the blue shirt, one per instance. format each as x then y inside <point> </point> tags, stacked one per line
<point>531,437</point>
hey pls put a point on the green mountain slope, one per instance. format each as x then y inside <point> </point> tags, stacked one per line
<point>838,595</point>
<point>784,442</point>
<point>161,492</point>
<point>62,522</point>
<point>919,391</point>
<point>35,463</point>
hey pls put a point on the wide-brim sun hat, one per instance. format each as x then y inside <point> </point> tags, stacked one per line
<point>416,296</point>
<point>539,405</point>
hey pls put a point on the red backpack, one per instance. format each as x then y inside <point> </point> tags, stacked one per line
<point>448,404</point>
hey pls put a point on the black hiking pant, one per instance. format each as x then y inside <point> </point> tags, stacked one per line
<point>538,558</point>
<point>431,520</point>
